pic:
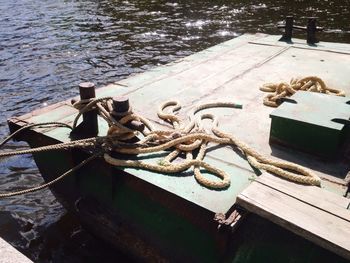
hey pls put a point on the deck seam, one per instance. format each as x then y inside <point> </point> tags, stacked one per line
<point>189,68</point>
<point>230,164</point>
<point>173,75</point>
<point>254,67</point>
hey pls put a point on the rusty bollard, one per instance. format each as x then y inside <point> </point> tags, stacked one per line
<point>121,107</point>
<point>89,126</point>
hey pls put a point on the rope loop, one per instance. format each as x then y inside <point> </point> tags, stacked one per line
<point>191,139</point>
<point>284,90</point>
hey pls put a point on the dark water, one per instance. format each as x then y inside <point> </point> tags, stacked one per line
<point>48,47</point>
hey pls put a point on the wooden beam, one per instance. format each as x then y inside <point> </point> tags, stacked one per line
<point>312,195</point>
<point>317,218</point>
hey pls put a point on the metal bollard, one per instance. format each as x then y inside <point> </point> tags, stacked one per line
<point>288,29</point>
<point>311,30</point>
<point>89,126</point>
<point>121,105</point>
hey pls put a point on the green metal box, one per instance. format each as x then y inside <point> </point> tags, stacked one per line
<point>312,122</point>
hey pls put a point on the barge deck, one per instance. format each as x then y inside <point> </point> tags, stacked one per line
<point>233,70</point>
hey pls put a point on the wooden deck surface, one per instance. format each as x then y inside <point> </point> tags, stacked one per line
<point>311,212</point>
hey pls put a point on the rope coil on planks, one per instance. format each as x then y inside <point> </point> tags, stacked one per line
<point>190,139</point>
<point>284,90</point>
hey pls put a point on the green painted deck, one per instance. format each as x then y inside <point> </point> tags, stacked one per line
<point>233,70</point>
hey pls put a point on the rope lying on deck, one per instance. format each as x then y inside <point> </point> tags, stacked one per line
<point>284,90</point>
<point>190,139</point>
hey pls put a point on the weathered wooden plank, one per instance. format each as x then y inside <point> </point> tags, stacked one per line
<point>203,80</point>
<point>182,69</point>
<point>312,195</point>
<point>188,63</point>
<point>310,222</point>
<point>54,112</point>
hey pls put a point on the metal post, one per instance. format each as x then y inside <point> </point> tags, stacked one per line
<point>87,91</point>
<point>311,31</point>
<point>89,125</point>
<point>288,29</point>
<point>121,106</point>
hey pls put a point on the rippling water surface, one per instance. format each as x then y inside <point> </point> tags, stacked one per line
<point>48,47</point>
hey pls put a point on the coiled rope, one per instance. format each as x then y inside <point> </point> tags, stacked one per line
<point>190,139</point>
<point>284,90</point>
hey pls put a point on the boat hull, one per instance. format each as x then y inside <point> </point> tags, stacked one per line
<point>151,224</point>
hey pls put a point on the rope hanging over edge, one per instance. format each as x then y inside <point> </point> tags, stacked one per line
<point>182,139</point>
<point>45,185</point>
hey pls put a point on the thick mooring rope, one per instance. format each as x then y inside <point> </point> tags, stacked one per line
<point>83,143</point>
<point>45,185</point>
<point>190,139</point>
<point>38,125</point>
<point>284,90</point>
<point>39,149</point>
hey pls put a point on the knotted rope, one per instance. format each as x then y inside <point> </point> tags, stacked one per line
<point>190,139</point>
<point>284,90</point>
